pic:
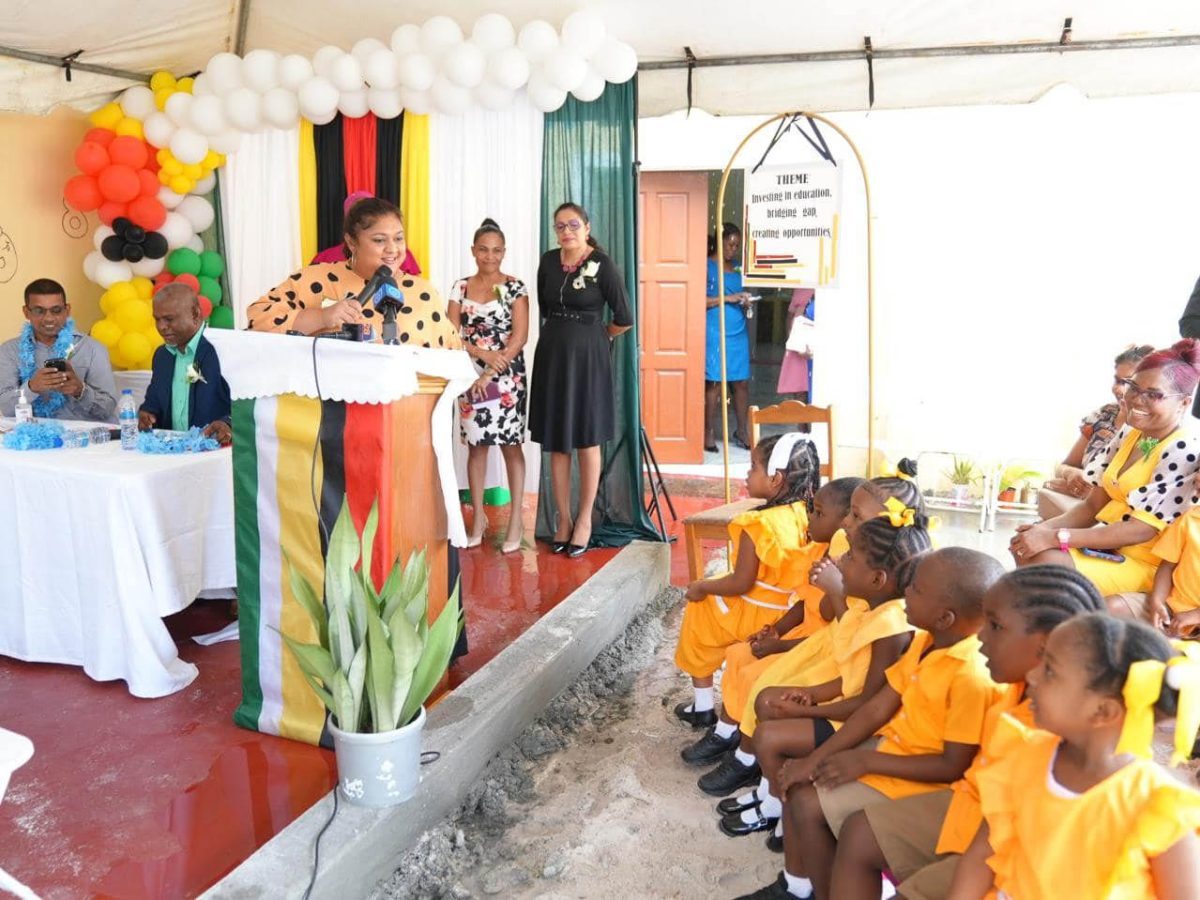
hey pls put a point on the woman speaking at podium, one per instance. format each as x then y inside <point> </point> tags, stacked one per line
<point>315,298</point>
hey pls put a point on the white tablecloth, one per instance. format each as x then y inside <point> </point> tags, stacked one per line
<point>98,544</point>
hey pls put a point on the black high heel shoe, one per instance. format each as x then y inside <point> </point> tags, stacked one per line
<point>574,551</point>
<point>560,546</point>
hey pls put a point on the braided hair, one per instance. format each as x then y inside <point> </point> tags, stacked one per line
<point>894,550</point>
<point>906,490</point>
<point>1046,596</point>
<point>1112,645</point>
<point>801,475</point>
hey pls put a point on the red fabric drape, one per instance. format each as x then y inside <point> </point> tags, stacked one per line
<point>358,137</point>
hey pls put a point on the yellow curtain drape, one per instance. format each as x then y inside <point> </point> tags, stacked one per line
<point>414,186</point>
<point>308,193</point>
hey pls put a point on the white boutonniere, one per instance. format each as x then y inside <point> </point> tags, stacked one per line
<point>588,271</point>
<point>193,375</point>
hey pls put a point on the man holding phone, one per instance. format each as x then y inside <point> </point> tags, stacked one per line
<point>65,374</point>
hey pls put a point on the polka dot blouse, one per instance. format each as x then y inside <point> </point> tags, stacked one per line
<point>421,321</point>
<point>1169,492</point>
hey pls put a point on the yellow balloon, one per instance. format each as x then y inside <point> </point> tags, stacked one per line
<point>154,337</point>
<point>107,306</point>
<point>193,171</point>
<point>143,287</point>
<point>128,127</point>
<point>162,156</point>
<point>164,177</point>
<point>185,85</point>
<point>181,184</point>
<point>117,358</point>
<point>163,79</point>
<point>107,116</point>
<point>122,291</point>
<point>211,160</point>
<point>161,97</point>
<point>173,166</point>
<point>107,332</point>
<point>133,315</point>
<point>134,347</point>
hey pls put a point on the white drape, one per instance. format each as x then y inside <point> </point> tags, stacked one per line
<point>487,164</point>
<point>260,204</point>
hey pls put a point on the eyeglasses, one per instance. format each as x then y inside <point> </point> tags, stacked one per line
<point>1133,392</point>
<point>573,225</point>
<point>39,312</point>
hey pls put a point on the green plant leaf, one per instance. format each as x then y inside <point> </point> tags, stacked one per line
<point>341,555</point>
<point>389,594</point>
<point>417,606</point>
<point>434,659</point>
<point>368,549</point>
<point>307,597</point>
<point>356,677</point>
<point>406,653</point>
<point>341,637</point>
<point>380,665</point>
<point>343,699</point>
<point>316,665</point>
<point>358,608</point>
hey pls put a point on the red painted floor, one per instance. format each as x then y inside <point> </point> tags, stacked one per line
<point>130,798</point>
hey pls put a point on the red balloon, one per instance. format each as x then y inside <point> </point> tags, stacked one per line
<point>91,157</point>
<point>82,193</point>
<point>147,212</point>
<point>110,210</point>
<point>128,151</point>
<point>206,306</point>
<point>152,163</point>
<point>162,279</point>
<point>190,280</point>
<point>119,183</point>
<point>101,136</point>
<point>149,183</point>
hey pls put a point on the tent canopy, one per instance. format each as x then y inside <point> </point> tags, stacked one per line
<point>140,36</point>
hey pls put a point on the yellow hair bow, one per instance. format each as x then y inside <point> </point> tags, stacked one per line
<point>1142,687</point>
<point>898,514</point>
<point>890,471</point>
<point>1183,674</point>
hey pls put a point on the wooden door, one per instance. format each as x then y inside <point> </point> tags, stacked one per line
<point>673,218</point>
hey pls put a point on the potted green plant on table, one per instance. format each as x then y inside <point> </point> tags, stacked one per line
<point>1014,477</point>
<point>961,475</point>
<point>375,662</point>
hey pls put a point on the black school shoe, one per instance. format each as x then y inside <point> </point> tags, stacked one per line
<point>733,826</point>
<point>729,777</point>
<point>731,807</point>
<point>706,719</point>
<point>775,842</point>
<point>776,890</point>
<point>709,749</point>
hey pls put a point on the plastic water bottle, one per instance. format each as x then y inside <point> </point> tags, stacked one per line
<point>24,408</point>
<point>128,416</point>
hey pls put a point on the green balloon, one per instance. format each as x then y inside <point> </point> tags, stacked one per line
<point>211,288</point>
<point>211,264</point>
<point>221,317</point>
<point>183,262</point>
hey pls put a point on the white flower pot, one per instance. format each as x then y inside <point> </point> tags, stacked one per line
<point>960,494</point>
<point>379,769</point>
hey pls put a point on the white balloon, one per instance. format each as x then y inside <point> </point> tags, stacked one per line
<point>537,38</point>
<point>179,107</point>
<point>508,68</point>
<point>616,61</point>
<point>90,262</point>
<point>416,72</point>
<point>101,233</point>
<point>204,185</point>
<point>439,34</point>
<point>207,115</point>
<point>464,65</point>
<point>380,69</point>
<point>195,244</point>
<point>318,100</point>
<point>168,198</point>
<point>584,31</point>
<point>260,70</point>
<point>188,147</point>
<point>138,102</point>
<point>564,68</point>
<point>493,32</point>
<point>346,74</point>
<point>353,104</point>
<point>280,108</point>
<point>294,70</point>
<point>243,109</point>
<point>366,48</point>
<point>226,141</point>
<point>224,73</point>
<point>449,97</point>
<point>108,273</point>
<point>406,39</point>
<point>590,88</point>
<point>147,267</point>
<point>419,103</point>
<point>492,96</point>
<point>384,103</point>
<point>158,129</point>
<point>201,87</point>
<point>198,212</point>
<point>324,59</point>
<point>177,230</point>
<point>543,95</point>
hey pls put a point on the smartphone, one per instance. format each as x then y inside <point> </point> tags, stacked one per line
<point>60,364</point>
<point>1110,555</point>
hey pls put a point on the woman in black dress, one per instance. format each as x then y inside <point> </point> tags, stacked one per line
<point>571,403</point>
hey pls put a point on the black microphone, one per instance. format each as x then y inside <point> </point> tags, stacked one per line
<point>382,275</point>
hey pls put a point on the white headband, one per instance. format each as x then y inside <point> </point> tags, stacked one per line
<point>782,451</point>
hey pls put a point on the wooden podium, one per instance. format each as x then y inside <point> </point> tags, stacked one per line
<point>317,423</point>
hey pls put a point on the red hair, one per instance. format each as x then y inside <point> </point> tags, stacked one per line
<point>1181,362</point>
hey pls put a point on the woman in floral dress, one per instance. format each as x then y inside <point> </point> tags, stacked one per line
<point>491,310</point>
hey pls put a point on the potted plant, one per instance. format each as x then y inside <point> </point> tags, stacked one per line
<point>1013,477</point>
<point>961,476</point>
<point>375,662</point>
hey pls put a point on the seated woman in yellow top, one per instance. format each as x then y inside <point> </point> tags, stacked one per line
<point>1143,483</point>
<point>316,298</point>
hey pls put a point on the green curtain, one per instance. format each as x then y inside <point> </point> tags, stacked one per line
<point>588,159</point>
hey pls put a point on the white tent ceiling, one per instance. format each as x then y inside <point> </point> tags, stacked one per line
<point>181,35</point>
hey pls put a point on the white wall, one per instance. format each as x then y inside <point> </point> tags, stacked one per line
<point>1017,249</point>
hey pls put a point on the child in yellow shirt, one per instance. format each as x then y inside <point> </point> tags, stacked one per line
<point>1080,809</point>
<point>919,839</point>
<point>1174,601</point>
<point>929,718</point>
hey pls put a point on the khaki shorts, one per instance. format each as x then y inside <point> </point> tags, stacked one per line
<point>1138,604</point>
<point>932,882</point>
<point>843,801</point>
<point>907,831</point>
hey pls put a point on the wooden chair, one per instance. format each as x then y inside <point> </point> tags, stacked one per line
<point>713,524</point>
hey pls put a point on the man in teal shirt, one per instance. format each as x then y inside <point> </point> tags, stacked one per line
<point>186,388</point>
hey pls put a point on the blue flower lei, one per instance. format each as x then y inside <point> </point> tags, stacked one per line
<point>44,407</point>
<point>34,436</point>
<point>171,442</point>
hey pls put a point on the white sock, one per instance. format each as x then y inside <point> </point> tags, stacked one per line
<point>704,699</point>
<point>748,798</point>
<point>769,807</point>
<point>725,730</point>
<point>887,891</point>
<point>746,759</point>
<point>779,828</point>
<point>797,886</point>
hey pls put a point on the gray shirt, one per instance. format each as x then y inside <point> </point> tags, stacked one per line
<point>98,402</point>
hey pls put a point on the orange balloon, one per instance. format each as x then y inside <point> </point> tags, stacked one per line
<point>128,151</point>
<point>190,280</point>
<point>147,212</point>
<point>101,136</point>
<point>91,158</point>
<point>149,183</point>
<point>110,210</point>
<point>119,183</point>
<point>206,306</point>
<point>82,193</point>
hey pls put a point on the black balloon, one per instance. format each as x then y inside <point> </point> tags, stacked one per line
<point>154,245</point>
<point>135,234</point>
<point>134,252</point>
<point>113,248</point>
<point>120,223</point>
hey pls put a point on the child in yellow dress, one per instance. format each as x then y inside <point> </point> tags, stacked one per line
<point>1080,809</point>
<point>919,839</point>
<point>1174,602</point>
<point>768,569</point>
